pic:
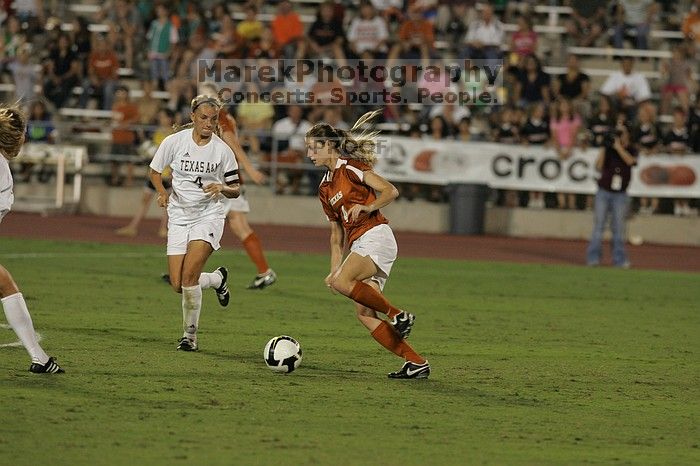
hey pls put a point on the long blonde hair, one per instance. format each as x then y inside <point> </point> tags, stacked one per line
<point>13,124</point>
<point>358,143</point>
<point>201,99</point>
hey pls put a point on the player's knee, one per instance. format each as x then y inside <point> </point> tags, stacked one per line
<point>341,285</point>
<point>8,287</point>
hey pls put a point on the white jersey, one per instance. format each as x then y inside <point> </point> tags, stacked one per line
<point>193,168</point>
<point>7,197</point>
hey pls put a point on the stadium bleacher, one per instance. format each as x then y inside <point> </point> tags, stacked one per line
<point>549,24</point>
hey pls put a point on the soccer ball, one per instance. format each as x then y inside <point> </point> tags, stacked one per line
<point>282,354</point>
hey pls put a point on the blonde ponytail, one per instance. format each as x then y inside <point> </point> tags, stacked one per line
<point>358,143</point>
<point>13,125</point>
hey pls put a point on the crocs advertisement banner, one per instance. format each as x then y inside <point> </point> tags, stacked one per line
<point>529,168</point>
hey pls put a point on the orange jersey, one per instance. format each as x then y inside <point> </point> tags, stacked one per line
<point>342,189</point>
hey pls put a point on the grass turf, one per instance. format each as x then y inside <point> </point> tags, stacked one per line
<point>531,365</point>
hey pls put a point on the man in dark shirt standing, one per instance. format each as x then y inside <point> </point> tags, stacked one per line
<point>614,163</point>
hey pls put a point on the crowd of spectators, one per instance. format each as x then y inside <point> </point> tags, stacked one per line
<point>54,57</point>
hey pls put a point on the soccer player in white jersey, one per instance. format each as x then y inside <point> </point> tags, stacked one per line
<point>204,174</point>
<point>12,129</point>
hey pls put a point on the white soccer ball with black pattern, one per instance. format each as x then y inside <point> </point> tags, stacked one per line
<point>282,354</point>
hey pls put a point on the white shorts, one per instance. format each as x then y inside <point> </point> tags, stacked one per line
<point>238,204</point>
<point>208,230</point>
<point>380,245</point>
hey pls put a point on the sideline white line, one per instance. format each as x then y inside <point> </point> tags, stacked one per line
<point>16,343</point>
<point>129,255</point>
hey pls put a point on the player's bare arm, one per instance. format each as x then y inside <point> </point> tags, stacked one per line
<point>157,180</point>
<point>388,193</point>
<point>231,192</point>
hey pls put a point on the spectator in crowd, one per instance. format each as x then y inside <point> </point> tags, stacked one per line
<point>287,29</point>
<point>536,132</point>
<point>81,38</point>
<point>62,72</point>
<point>264,47</point>
<point>523,42</point>
<point>437,129</point>
<point>227,42</point>
<point>464,133</point>
<point>694,126</point>
<point>484,37</point>
<point>40,126</point>
<point>32,13</point>
<point>325,37</point>
<point>451,113</point>
<point>24,74</point>
<point>536,128</point>
<point>250,29</point>
<point>691,26</point>
<point>678,73</point>
<point>627,88</point>
<point>507,130</point>
<point>637,16</point>
<point>533,83</point>
<point>162,38</point>
<point>677,142</point>
<point>614,163</point>
<point>254,117</point>
<point>102,75</point>
<point>367,32</point>
<point>452,20</point>
<point>564,128</point>
<point>677,139</point>
<point>416,38</point>
<point>126,114</point>
<point>124,28</point>
<point>602,122</point>
<point>574,85</point>
<point>587,23</point>
<point>11,39</point>
<point>219,12</point>
<point>289,133</point>
<point>647,135</point>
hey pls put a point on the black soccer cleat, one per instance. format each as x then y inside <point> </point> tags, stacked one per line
<point>166,278</point>
<point>222,291</point>
<point>263,280</point>
<point>186,344</point>
<point>403,323</point>
<point>411,370</point>
<point>49,368</point>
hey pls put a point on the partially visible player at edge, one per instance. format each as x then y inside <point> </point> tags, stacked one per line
<point>204,174</point>
<point>12,128</point>
<point>347,194</point>
<point>239,207</point>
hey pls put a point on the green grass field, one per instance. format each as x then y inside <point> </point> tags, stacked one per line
<point>531,365</point>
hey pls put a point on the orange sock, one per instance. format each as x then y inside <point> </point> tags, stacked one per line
<point>254,249</point>
<point>367,296</point>
<point>389,339</point>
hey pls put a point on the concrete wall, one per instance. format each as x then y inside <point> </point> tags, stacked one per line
<point>418,216</point>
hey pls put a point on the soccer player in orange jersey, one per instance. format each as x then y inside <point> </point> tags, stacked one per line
<point>238,208</point>
<point>349,200</point>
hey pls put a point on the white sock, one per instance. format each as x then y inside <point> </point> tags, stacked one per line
<point>191,307</point>
<point>21,322</point>
<point>210,280</point>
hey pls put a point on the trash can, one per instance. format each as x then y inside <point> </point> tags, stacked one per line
<point>467,208</point>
